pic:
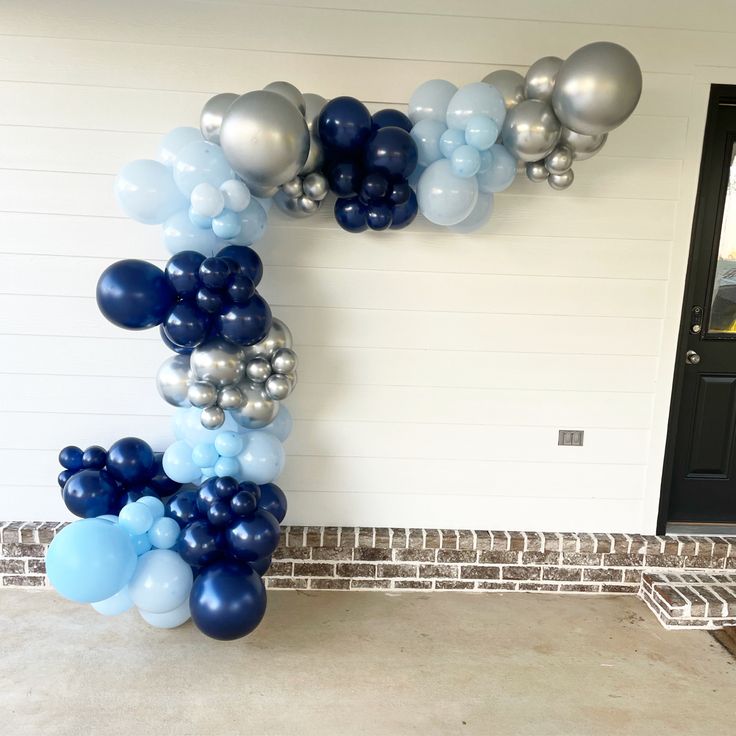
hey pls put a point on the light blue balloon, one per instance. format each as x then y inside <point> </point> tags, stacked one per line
<point>481,132</point>
<point>451,140</point>
<point>253,220</point>
<point>180,233</point>
<point>146,192</point>
<point>115,604</point>
<point>430,99</point>
<point>178,465</point>
<point>141,543</point>
<point>227,224</point>
<point>465,161</point>
<point>204,454</point>
<point>169,619</point>
<point>262,459</point>
<point>188,426</point>
<point>108,517</point>
<point>486,161</point>
<point>208,473</point>
<point>164,533</point>
<point>226,466</point>
<point>154,504</point>
<point>199,221</point>
<point>477,98</point>
<point>90,560</point>
<point>174,141</point>
<point>426,134</point>
<point>229,444</point>
<point>501,172</point>
<point>444,198</point>
<point>136,518</point>
<point>200,161</point>
<point>478,217</point>
<point>161,582</point>
<point>281,426</point>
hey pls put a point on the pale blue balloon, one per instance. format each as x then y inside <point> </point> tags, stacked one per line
<point>164,533</point>
<point>90,560</point>
<point>188,426</point>
<point>426,134</point>
<point>477,98</point>
<point>146,192</point>
<point>281,426</point>
<point>481,132</point>
<point>141,543</point>
<point>465,161</point>
<point>480,215</point>
<point>200,221</point>
<point>262,459</point>
<point>430,99</point>
<point>200,161</point>
<point>501,172</point>
<point>177,463</point>
<point>180,233</point>
<point>208,473</point>
<point>136,518</point>
<point>161,582</point>
<point>227,224</point>
<point>226,466</point>
<point>174,141</point>
<point>450,141</point>
<point>230,444</point>
<point>169,619</point>
<point>154,504</point>
<point>108,517</point>
<point>253,220</point>
<point>444,198</point>
<point>204,454</point>
<point>115,604</point>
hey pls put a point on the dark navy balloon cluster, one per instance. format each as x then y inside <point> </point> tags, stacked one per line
<point>369,160</point>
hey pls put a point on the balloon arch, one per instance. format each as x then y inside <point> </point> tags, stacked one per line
<point>190,531</point>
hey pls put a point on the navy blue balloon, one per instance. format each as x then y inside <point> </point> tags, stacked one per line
<point>220,515</point>
<point>134,294</point>
<point>249,261</point>
<point>227,601</point>
<point>199,544</point>
<point>159,481</point>
<point>373,188</point>
<point>170,345</point>
<point>404,214</point>
<point>209,300</point>
<point>400,192</point>
<point>261,566</point>
<point>240,288</point>
<point>351,214</point>
<point>392,152</point>
<point>207,495</point>
<point>128,496</point>
<point>64,476</point>
<point>182,271</point>
<point>245,324</point>
<point>253,537</point>
<point>186,325</point>
<point>273,500</point>
<point>378,216</point>
<point>130,461</point>
<point>90,493</point>
<point>182,507</point>
<point>71,458</point>
<point>225,487</point>
<point>345,124</point>
<point>215,272</point>
<point>245,501</point>
<point>345,178</point>
<point>94,457</point>
<point>391,117</point>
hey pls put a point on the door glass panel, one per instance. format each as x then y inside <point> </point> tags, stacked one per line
<point>723,307</point>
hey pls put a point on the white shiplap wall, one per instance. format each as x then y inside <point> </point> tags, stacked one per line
<point>436,368</point>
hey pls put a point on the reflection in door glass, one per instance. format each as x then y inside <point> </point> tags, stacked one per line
<point>723,308</point>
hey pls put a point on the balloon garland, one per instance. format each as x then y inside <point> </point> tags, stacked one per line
<point>190,532</point>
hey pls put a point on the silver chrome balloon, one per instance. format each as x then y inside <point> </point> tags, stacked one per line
<point>172,380</point>
<point>316,186</point>
<point>278,387</point>
<point>212,417</point>
<point>582,146</point>
<point>264,138</point>
<point>561,181</point>
<point>293,187</point>
<point>559,161</point>
<point>597,88</point>
<point>230,398</point>
<point>314,104</point>
<point>202,394</point>
<point>290,205</point>
<point>283,360</point>
<point>288,91</point>
<point>530,130</point>
<point>262,192</point>
<point>219,362</point>
<point>536,171</point>
<point>258,410</point>
<point>308,206</point>
<point>509,83</point>
<point>279,336</point>
<point>258,370</point>
<point>539,82</point>
<point>210,119</point>
<point>316,156</point>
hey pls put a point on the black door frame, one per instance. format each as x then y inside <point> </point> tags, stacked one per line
<point>720,94</point>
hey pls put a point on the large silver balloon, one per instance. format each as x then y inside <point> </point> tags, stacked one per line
<point>210,120</point>
<point>582,146</point>
<point>597,88</point>
<point>530,130</point>
<point>172,380</point>
<point>509,83</point>
<point>314,104</point>
<point>539,82</point>
<point>258,410</point>
<point>561,181</point>
<point>559,161</point>
<point>289,92</point>
<point>218,362</point>
<point>265,138</point>
<point>262,192</point>
<point>279,336</point>
<point>316,156</point>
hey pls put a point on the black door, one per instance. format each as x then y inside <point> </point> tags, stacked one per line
<point>699,479</point>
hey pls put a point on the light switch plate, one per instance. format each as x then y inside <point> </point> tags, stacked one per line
<point>571,437</point>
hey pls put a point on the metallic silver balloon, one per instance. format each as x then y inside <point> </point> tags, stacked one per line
<point>308,206</point>
<point>212,417</point>
<point>289,92</point>
<point>559,161</point>
<point>265,138</point>
<point>539,82</point>
<point>314,104</point>
<point>293,187</point>
<point>316,186</point>
<point>172,380</point>
<point>258,369</point>
<point>218,362</point>
<point>561,181</point>
<point>289,205</point>
<point>230,398</point>
<point>530,130</point>
<point>262,192</point>
<point>509,83</point>
<point>582,146</point>
<point>210,119</point>
<point>279,336</point>
<point>258,410</point>
<point>202,394</point>
<point>277,387</point>
<point>283,360</point>
<point>597,88</point>
<point>316,156</point>
<point>536,171</point>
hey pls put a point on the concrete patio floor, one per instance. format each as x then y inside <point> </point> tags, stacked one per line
<point>328,663</point>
